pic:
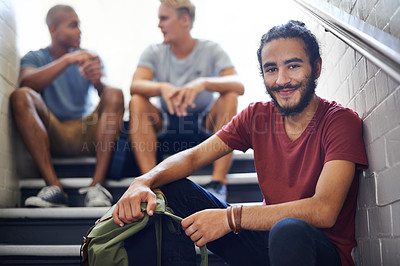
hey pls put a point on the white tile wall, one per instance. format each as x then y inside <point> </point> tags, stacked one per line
<point>390,251</point>
<point>9,65</point>
<point>376,98</point>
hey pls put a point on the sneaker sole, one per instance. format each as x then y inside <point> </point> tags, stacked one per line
<point>38,202</point>
<point>94,203</point>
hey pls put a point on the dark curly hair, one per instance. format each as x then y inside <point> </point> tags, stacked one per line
<point>292,29</point>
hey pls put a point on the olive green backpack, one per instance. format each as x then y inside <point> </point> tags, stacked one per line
<point>104,242</point>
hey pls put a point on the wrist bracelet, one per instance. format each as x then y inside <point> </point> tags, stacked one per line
<point>229,214</point>
<point>237,214</point>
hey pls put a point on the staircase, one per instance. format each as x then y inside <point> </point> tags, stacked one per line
<point>52,236</point>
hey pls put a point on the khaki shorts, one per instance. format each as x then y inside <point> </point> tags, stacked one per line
<point>73,137</point>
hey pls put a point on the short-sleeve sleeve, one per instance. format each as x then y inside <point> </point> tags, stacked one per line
<point>147,58</point>
<point>222,60</point>
<point>30,60</point>
<point>344,139</point>
<point>236,133</point>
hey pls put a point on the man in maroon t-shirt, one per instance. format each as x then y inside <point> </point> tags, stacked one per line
<point>308,153</point>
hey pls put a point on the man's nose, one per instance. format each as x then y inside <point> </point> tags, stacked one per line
<point>283,78</point>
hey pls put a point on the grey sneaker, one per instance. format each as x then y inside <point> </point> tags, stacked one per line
<point>50,196</point>
<point>217,188</point>
<point>96,196</point>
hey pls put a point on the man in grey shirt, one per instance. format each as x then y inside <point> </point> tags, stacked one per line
<point>184,72</point>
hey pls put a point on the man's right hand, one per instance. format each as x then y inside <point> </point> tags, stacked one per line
<point>127,209</point>
<point>167,93</point>
<point>80,57</point>
<point>90,65</point>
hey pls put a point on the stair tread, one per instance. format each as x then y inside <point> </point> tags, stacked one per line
<point>39,250</point>
<point>48,250</point>
<point>61,213</point>
<point>78,182</point>
<point>92,160</point>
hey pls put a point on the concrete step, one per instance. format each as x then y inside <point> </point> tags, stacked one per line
<point>46,226</point>
<point>242,187</point>
<point>67,255</point>
<point>23,255</point>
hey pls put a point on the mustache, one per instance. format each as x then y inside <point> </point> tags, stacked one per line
<point>287,86</point>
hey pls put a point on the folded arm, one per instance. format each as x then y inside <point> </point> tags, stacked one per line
<point>142,84</point>
<point>40,78</point>
<point>228,81</point>
<point>178,99</point>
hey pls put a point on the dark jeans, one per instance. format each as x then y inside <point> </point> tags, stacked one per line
<point>290,241</point>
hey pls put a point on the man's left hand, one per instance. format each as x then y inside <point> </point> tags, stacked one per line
<point>205,226</point>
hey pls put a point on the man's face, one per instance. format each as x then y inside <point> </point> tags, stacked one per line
<point>288,75</point>
<point>169,23</point>
<point>67,32</point>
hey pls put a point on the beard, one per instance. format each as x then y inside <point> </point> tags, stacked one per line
<point>309,84</point>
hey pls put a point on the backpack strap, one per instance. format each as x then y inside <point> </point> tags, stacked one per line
<point>203,249</point>
<point>158,229</point>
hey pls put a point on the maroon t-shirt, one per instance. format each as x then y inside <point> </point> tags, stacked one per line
<point>289,171</point>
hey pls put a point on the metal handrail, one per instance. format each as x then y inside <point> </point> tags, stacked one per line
<point>379,47</point>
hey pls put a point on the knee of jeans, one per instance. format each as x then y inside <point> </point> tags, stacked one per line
<point>182,185</point>
<point>286,230</point>
<point>179,196</point>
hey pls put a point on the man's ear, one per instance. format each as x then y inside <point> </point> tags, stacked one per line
<point>186,20</point>
<point>318,67</point>
<point>52,29</point>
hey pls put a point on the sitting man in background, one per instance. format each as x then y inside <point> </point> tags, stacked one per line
<point>185,72</point>
<point>308,153</point>
<point>55,113</point>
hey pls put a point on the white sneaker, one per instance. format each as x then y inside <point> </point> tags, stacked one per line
<point>96,196</point>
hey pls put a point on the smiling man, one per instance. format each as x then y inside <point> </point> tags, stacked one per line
<point>55,113</point>
<point>308,153</point>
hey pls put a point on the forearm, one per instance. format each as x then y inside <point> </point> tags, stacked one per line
<point>40,78</point>
<point>224,84</point>
<point>171,169</point>
<point>183,164</point>
<point>311,210</point>
<point>146,88</point>
<point>186,162</point>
